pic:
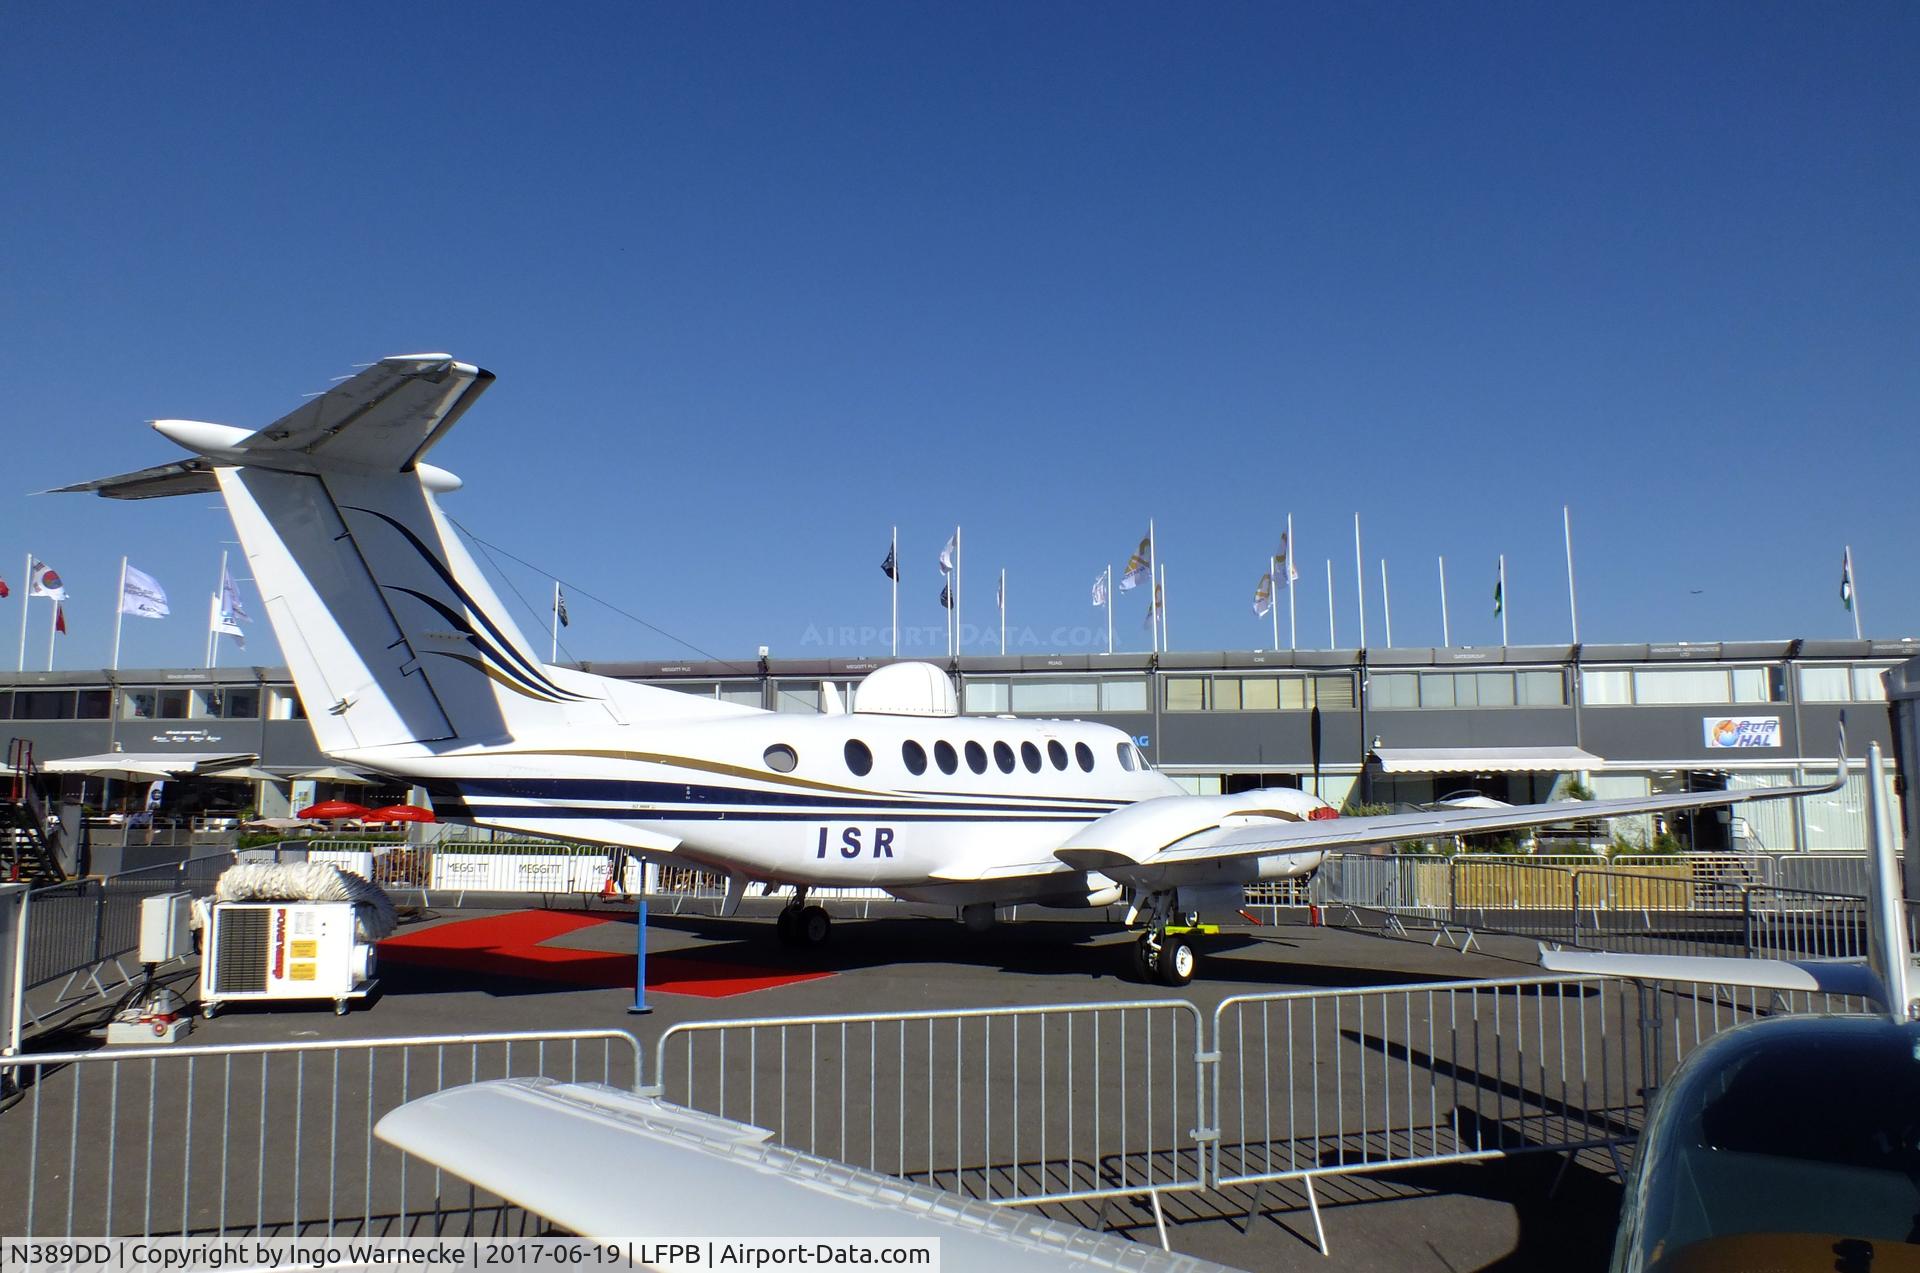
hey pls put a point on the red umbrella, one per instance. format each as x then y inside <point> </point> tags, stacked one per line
<point>401,813</point>
<point>327,810</point>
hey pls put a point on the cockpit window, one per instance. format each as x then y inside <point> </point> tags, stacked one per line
<point>1125,752</point>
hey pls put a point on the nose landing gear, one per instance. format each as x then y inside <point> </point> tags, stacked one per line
<point>1165,951</point>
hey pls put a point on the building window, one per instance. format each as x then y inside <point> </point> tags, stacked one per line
<point>915,756</point>
<point>1609,687</point>
<point>1124,694</point>
<point>1677,685</point>
<point>1496,688</point>
<point>94,705</point>
<point>1260,694</point>
<point>1825,684</point>
<point>780,758</point>
<point>1334,692</point>
<point>1226,694</point>
<point>859,757</point>
<point>945,757</point>
<point>797,696</point>
<point>1393,690</point>
<point>1752,685</point>
<point>1869,685</point>
<point>1186,694</point>
<point>1056,696</point>
<point>1436,689</point>
<point>1083,754</point>
<point>976,757</point>
<point>1030,757</point>
<point>43,705</point>
<point>986,697</point>
<point>1003,757</point>
<point>1540,689</point>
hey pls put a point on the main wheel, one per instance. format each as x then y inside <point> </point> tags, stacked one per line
<point>788,925</point>
<point>1177,961</point>
<point>1144,961</point>
<point>814,926</point>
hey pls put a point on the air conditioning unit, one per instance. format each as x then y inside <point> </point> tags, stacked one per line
<point>284,951</point>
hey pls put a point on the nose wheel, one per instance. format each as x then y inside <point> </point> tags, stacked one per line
<point>1169,959</point>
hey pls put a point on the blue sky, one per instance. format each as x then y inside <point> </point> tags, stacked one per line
<point>760,281</point>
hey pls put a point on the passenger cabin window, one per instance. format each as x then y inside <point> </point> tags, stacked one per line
<point>915,755</point>
<point>782,758</point>
<point>1057,753</point>
<point>1083,754</point>
<point>943,756</point>
<point>859,757</point>
<point>977,758</point>
<point>1003,757</point>
<point>1030,757</point>
<point>1125,752</point>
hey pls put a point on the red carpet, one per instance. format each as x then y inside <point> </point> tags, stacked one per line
<point>511,946</point>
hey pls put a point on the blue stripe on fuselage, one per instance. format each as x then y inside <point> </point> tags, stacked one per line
<point>681,793</point>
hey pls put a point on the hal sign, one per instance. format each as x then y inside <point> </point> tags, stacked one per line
<point>1741,731</point>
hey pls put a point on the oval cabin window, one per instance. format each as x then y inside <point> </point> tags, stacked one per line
<point>976,758</point>
<point>782,758</point>
<point>1030,757</point>
<point>1083,754</point>
<point>1003,757</point>
<point>859,757</point>
<point>915,755</point>
<point>944,756</point>
<point>1057,754</point>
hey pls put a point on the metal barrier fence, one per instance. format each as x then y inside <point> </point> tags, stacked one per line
<point>268,1139</point>
<point>1026,1105</point>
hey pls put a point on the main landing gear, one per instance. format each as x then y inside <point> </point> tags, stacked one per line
<point>803,925</point>
<point>1165,951</point>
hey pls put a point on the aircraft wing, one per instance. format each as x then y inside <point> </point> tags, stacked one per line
<point>607,1163</point>
<point>187,477</point>
<point>383,419</point>
<point>1146,859</point>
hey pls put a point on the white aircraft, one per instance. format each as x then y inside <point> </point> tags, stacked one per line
<point>409,665</point>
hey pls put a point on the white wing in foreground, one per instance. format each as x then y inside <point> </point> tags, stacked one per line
<point>606,1163</point>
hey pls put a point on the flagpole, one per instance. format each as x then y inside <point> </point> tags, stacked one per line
<point>1110,605</point>
<point>26,603</point>
<point>555,624</point>
<point>1165,643</point>
<point>1293,554</point>
<point>119,614</point>
<point>1331,640</point>
<point>958,549</point>
<point>893,555</point>
<point>1446,635</point>
<point>53,630</point>
<point>1573,609</point>
<point>1386,601</point>
<point>1003,612</point>
<point>1153,574</point>
<point>1503,599</point>
<point>1273,599</point>
<point>1359,582</point>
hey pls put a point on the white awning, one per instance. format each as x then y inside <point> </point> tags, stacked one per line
<point>1486,760</point>
<point>144,766</point>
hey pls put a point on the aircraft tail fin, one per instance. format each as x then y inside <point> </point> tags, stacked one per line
<point>391,630</point>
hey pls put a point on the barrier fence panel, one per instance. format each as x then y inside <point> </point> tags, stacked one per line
<point>1330,1082</point>
<point>1792,923</point>
<point>1009,1105</point>
<point>267,1139</point>
<point>1657,913</point>
<point>1511,896</point>
<point>1823,872</point>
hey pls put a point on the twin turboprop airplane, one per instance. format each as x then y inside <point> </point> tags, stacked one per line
<point>409,665</point>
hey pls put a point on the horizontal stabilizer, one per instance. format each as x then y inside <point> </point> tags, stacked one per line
<point>187,477</point>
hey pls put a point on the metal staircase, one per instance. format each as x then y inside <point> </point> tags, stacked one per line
<point>30,838</point>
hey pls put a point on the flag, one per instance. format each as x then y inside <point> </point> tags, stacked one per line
<point>560,605</point>
<point>1263,596</point>
<point>1499,597</point>
<point>43,582</point>
<point>1000,592</point>
<point>5,591</point>
<point>60,617</point>
<point>890,568</point>
<point>946,554</point>
<point>1283,568</point>
<point>1846,579</point>
<point>1100,589</point>
<point>228,613</point>
<point>1153,610</point>
<point>142,596</point>
<point>1137,565</point>
<point>946,595</point>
